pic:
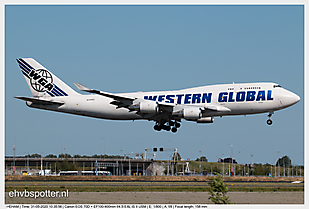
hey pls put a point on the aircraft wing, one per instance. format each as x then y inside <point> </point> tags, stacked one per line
<point>124,101</point>
<point>106,94</point>
<point>215,108</point>
<point>119,99</point>
<point>40,101</point>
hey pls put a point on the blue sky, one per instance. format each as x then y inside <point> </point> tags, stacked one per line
<point>148,48</point>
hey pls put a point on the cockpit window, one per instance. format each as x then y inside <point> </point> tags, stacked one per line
<point>275,86</point>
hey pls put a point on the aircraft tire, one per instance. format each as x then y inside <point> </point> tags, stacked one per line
<point>177,125</point>
<point>157,128</point>
<point>174,129</point>
<point>167,128</point>
<point>269,122</point>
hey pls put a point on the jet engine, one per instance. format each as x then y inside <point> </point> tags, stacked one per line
<point>192,113</point>
<point>145,107</point>
<point>205,120</point>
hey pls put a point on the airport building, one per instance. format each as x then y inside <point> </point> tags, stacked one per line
<point>35,166</point>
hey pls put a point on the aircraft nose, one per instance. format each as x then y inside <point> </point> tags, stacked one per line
<point>296,98</point>
<point>292,98</point>
<point>288,99</point>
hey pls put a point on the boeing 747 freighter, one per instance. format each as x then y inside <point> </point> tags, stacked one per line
<point>165,108</point>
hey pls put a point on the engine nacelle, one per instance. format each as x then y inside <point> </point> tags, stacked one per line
<point>192,113</point>
<point>146,107</point>
<point>205,120</point>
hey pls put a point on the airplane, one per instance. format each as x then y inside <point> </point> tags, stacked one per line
<point>165,108</point>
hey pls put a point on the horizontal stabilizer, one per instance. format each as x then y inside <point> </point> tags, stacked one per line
<point>102,93</point>
<point>40,101</point>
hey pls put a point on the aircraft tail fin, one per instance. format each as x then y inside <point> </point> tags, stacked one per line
<point>41,81</point>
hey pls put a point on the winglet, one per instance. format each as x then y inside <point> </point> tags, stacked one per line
<point>81,87</point>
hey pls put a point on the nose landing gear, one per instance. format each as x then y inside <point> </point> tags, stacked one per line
<point>269,121</point>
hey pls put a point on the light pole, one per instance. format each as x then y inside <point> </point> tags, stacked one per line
<point>293,162</point>
<point>239,163</point>
<point>223,165</point>
<point>232,160</point>
<point>283,168</point>
<point>42,174</point>
<point>121,172</point>
<point>61,151</point>
<point>125,156</point>
<point>104,147</point>
<point>172,164</point>
<point>245,163</point>
<point>200,161</point>
<point>251,162</point>
<point>100,151</point>
<point>217,163</point>
<point>176,160</point>
<point>278,164</point>
<point>14,160</point>
<point>25,161</point>
<point>274,159</point>
<point>28,163</point>
<point>130,164</point>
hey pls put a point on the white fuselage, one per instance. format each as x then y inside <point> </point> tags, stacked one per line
<point>241,99</point>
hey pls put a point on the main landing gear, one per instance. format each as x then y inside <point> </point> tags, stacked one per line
<point>269,121</point>
<point>172,126</point>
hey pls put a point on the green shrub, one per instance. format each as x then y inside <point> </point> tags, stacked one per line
<point>218,191</point>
